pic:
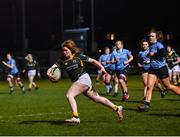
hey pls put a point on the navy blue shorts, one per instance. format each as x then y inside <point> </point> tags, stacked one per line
<point>16,75</point>
<point>161,73</point>
<point>109,71</point>
<point>124,72</point>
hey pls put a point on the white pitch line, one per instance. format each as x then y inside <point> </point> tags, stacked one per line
<point>31,115</point>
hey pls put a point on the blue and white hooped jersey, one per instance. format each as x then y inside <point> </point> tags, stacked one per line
<point>13,70</point>
<point>104,58</point>
<point>144,60</point>
<point>156,62</point>
<point>121,57</point>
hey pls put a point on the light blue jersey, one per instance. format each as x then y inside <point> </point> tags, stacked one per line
<point>13,70</point>
<point>112,66</point>
<point>103,59</point>
<point>121,57</point>
<point>156,61</point>
<point>144,60</point>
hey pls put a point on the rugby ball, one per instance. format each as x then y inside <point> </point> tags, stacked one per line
<point>57,73</point>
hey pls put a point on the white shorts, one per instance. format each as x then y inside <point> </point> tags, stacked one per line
<point>175,69</point>
<point>85,79</point>
<point>31,73</point>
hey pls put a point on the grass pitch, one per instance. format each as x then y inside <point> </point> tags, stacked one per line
<point>42,112</point>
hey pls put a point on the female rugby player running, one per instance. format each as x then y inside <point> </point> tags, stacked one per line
<point>73,64</point>
<point>122,58</point>
<point>173,61</point>
<point>103,59</point>
<point>158,69</point>
<point>13,73</point>
<point>32,66</point>
<point>144,66</point>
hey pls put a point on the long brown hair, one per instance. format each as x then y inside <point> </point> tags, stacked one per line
<point>71,45</point>
<point>142,41</point>
<point>159,34</point>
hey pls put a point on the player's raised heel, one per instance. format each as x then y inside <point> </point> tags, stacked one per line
<point>120,113</point>
<point>73,120</point>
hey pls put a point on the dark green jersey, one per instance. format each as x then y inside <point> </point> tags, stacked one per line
<point>74,67</point>
<point>32,65</point>
<point>171,57</point>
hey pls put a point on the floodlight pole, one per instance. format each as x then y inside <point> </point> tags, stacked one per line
<point>62,18</point>
<point>73,14</point>
<point>92,25</point>
<point>79,16</point>
<point>24,39</point>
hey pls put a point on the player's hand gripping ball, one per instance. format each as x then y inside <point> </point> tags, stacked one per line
<point>56,73</point>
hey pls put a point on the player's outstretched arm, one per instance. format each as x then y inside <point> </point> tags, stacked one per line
<point>7,65</point>
<point>96,63</point>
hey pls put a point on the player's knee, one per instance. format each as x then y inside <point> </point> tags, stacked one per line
<point>168,87</point>
<point>115,81</point>
<point>95,97</point>
<point>18,80</point>
<point>69,96</point>
<point>149,87</point>
<point>122,78</point>
<point>9,79</point>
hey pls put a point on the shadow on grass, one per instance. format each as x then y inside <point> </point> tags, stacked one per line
<point>58,122</point>
<point>127,101</point>
<point>115,99</point>
<point>172,99</point>
<point>131,109</point>
<point>4,93</point>
<point>165,115</point>
<point>133,101</point>
<point>169,93</point>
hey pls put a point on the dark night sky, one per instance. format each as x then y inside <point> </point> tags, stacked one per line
<point>129,19</point>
